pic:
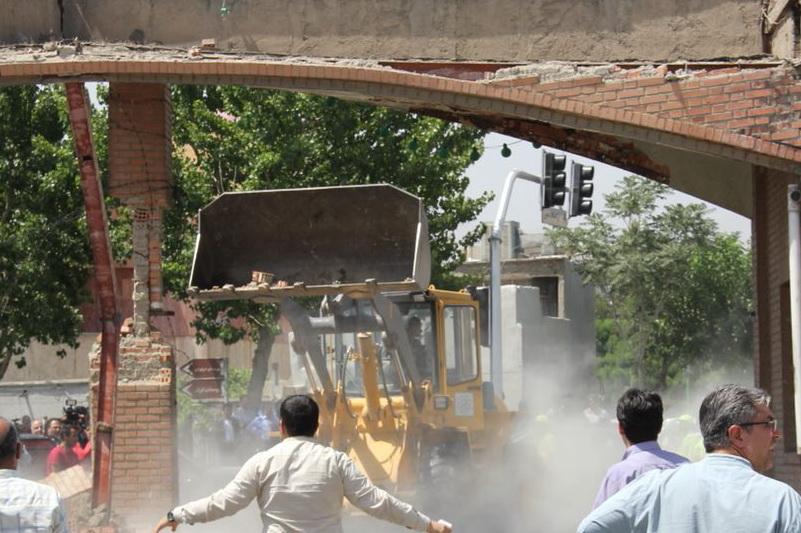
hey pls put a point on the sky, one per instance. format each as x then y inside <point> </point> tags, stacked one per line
<point>490,171</point>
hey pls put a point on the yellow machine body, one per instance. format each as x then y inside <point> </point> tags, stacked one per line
<point>394,364</point>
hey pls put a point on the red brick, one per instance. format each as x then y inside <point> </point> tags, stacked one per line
<point>737,124</point>
<point>743,104</point>
<point>654,98</point>
<point>759,93</point>
<point>737,88</point>
<point>784,135</point>
<point>650,82</point>
<point>715,81</point>
<point>757,74</point>
<point>717,99</point>
<point>719,117</point>
<point>567,93</point>
<point>631,93</point>
<point>762,111</point>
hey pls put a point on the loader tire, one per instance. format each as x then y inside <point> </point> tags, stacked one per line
<point>441,479</point>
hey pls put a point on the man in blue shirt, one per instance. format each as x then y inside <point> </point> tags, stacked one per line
<point>725,491</point>
<point>639,421</point>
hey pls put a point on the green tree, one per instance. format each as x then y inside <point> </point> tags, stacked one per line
<point>236,138</point>
<point>45,260</point>
<point>708,325</point>
<point>673,292</point>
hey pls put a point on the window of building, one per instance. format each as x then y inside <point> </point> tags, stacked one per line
<point>549,294</point>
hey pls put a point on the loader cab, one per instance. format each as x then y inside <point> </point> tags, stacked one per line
<point>420,328</point>
<point>419,324</point>
<point>461,400</point>
<point>459,341</point>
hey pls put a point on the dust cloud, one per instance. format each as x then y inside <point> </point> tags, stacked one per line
<point>548,478</point>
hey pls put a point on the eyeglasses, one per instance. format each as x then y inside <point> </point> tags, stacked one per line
<point>772,423</point>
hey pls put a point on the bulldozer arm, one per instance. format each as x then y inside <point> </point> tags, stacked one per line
<point>267,245</point>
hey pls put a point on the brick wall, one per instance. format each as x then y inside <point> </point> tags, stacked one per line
<point>139,144</point>
<point>144,453</point>
<point>774,369</point>
<point>762,102</point>
<point>140,151</point>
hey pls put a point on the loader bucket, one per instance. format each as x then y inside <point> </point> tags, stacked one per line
<point>266,245</point>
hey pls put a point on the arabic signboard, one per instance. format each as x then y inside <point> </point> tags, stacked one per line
<point>204,389</point>
<point>204,368</point>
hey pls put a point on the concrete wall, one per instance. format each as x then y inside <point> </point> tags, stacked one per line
<point>543,356</point>
<point>44,365</point>
<point>29,21</point>
<point>39,399</point>
<point>512,30</point>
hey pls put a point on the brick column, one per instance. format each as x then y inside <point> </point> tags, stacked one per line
<point>145,475</point>
<point>139,174</point>
<point>145,472</point>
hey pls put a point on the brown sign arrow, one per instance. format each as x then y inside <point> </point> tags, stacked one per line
<point>204,368</point>
<point>203,389</point>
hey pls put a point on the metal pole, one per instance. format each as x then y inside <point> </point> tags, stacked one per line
<point>496,361</point>
<point>794,249</point>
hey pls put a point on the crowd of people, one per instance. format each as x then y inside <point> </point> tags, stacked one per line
<point>50,445</point>
<point>300,484</point>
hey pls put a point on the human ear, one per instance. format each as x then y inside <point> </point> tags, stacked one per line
<point>735,434</point>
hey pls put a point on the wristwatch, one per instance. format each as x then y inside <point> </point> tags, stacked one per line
<point>170,516</point>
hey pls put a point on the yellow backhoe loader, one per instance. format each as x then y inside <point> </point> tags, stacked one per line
<point>394,363</point>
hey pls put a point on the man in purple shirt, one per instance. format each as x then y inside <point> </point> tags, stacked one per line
<point>639,421</point>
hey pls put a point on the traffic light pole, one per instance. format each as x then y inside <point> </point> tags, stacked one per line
<point>496,361</point>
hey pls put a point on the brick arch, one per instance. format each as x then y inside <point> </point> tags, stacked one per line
<point>746,112</point>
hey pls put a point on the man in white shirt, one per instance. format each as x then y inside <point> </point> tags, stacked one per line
<point>25,506</point>
<point>300,485</point>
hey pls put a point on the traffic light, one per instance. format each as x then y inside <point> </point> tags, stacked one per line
<point>554,179</point>
<point>581,189</point>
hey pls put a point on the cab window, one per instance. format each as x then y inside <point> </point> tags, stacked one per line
<point>459,328</point>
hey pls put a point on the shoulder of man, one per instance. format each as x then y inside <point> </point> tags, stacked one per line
<point>34,487</point>
<point>675,457</point>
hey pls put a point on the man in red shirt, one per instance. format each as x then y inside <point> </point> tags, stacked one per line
<point>63,456</point>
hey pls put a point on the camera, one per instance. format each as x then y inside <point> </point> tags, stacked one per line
<point>78,416</point>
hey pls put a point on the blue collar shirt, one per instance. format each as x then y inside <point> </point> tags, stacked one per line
<point>638,459</point>
<point>720,493</point>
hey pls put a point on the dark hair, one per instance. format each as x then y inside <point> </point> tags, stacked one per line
<point>640,415</point>
<point>9,441</point>
<point>413,320</point>
<point>300,415</point>
<point>66,429</point>
<point>724,407</point>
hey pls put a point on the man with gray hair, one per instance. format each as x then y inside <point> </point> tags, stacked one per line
<point>725,491</point>
<point>25,506</point>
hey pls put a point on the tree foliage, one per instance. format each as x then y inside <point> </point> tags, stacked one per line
<point>237,138</point>
<point>45,259</point>
<point>674,294</point>
<point>226,139</point>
